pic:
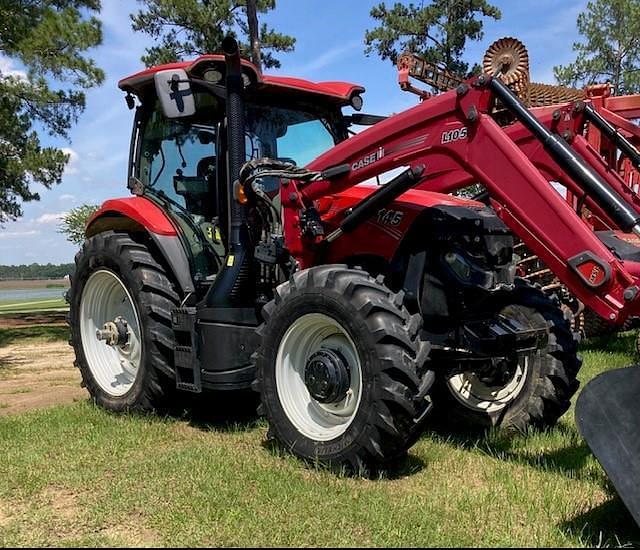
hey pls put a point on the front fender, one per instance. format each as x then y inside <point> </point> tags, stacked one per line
<point>140,210</point>
<point>139,214</point>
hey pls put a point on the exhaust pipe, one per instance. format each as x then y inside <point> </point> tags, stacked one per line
<point>231,288</point>
<point>235,108</point>
<point>235,133</point>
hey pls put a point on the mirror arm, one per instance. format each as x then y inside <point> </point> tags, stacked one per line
<point>362,119</point>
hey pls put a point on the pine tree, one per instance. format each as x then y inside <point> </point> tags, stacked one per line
<point>437,31</point>
<point>49,38</point>
<point>610,51</point>
<point>187,28</point>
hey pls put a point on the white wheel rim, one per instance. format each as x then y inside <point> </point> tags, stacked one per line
<point>467,388</point>
<point>114,367</point>
<point>315,420</point>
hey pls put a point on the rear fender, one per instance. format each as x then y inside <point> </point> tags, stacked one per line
<point>140,215</point>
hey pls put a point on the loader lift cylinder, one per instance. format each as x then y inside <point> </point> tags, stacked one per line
<point>621,142</point>
<point>380,198</point>
<point>574,165</point>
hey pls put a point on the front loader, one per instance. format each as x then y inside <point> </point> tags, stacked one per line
<point>256,253</point>
<point>604,126</point>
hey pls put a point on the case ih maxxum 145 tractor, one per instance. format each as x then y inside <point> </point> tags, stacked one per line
<point>250,257</point>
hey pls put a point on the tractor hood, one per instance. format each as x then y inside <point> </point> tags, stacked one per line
<point>414,199</point>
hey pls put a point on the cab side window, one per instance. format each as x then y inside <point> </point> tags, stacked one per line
<point>178,160</point>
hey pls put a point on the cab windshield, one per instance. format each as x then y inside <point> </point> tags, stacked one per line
<point>285,134</point>
<point>179,158</point>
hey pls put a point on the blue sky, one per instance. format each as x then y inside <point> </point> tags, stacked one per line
<point>330,36</point>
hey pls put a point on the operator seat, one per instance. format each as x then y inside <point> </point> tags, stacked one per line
<point>198,191</point>
<point>206,169</point>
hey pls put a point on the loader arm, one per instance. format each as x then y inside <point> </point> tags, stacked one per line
<point>562,120</point>
<point>459,143</point>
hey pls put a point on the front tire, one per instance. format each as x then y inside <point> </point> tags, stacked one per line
<point>340,369</point>
<point>118,284</point>
<point>539,390</point>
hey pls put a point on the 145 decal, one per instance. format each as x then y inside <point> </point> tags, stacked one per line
<point>390,217</point>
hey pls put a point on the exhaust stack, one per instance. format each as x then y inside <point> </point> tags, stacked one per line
<point>231,288</point>
<point>235,133</point>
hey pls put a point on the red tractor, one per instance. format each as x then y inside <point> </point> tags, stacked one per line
<point>255,254</point>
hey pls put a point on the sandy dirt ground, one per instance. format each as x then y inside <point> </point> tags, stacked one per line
<point>21,320</point>
<point>37,375</point>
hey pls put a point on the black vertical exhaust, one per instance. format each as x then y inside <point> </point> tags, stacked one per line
<point>230,287</point>
<point>235,133</point>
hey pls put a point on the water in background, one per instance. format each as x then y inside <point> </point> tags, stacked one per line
<point>22,294</point>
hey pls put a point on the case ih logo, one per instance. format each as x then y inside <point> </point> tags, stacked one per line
<point>369,159</point>
<point>454,135</point>
<point>592,273</point>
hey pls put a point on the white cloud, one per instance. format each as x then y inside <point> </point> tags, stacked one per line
<point>325,59</point>
<point>67,197</point>
<point>72,166</point>
<point>50,217</point>
<point>18,234</point>
<point>7,69</point>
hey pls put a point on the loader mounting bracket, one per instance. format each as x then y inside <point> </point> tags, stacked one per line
<point>591,269</point>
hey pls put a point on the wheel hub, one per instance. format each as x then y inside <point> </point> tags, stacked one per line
<point>114,333</point>
<point>320,339</point>
<point>327,376</point>
<point>498,370</point>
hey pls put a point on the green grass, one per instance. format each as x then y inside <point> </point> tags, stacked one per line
<point>76,475</point>
<point>30,305</point>
<point>33,333</point>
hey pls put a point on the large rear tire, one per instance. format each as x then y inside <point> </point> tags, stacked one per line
<point>595,326</point>
<point>538,391</point>
<point>340,369</point>
<point>120,316</point>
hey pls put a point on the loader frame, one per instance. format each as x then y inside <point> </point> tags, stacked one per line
<point>459,143</point>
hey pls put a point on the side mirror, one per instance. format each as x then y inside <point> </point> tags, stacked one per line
<point>174,92</point>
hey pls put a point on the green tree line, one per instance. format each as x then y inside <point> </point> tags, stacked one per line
<point>35,271</point>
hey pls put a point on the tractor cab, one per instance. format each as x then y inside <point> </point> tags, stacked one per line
<point>179,159</point>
